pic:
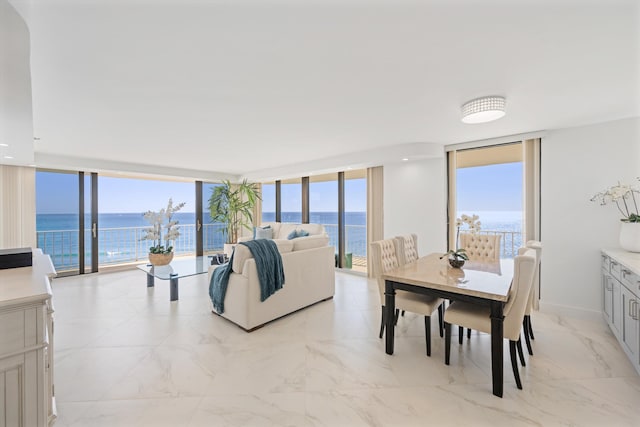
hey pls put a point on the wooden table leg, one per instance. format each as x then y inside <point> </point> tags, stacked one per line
<point>390,317</point>
<point>497,336</point>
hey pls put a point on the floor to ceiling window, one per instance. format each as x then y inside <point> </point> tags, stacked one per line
<point>323,204</point>
<point>291,200</point>
<point>323,194</point>
<point>355,219</point>
<point>58,218</point>
<point>213,234</point>
<point>122,203</point>
<point>489,184</point>
<point>268,195</point>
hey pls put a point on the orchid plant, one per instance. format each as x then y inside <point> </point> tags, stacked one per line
<point>624,197</point>
<point>473,225</point>
<point>155,232</point>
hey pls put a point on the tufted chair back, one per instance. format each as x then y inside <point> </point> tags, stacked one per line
<point>533,297</point>
<point>383,254</point>
<point>406,248</point>
<point>481,247</point>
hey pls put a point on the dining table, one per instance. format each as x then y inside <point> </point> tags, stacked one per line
<point>482,283</point>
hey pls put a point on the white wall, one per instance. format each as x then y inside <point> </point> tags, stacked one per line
<point>415,202</point>
<point>577,163</point>
<point>16,117</point>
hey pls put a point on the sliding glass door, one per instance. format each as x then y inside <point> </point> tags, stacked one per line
<point>66,220</point>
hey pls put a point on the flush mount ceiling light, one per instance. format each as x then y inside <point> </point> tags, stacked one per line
<point>482,110</point>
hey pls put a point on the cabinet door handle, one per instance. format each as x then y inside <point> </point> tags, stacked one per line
<point>94,230</point>
<point>198,226</point>
<point>635,311</point>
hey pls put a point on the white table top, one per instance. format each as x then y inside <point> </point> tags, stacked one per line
<point>484,280</point>
<point>20,285</point>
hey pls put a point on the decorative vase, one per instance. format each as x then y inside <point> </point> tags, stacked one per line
<point>160,259</point>
<point>456,263</point>
<point>630,236</point>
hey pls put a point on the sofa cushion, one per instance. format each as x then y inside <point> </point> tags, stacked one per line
<point>310,242</point>
<point>263,232</point>
<point>312,229</point>
<point>242,253</point>
<point>297,233</point>
<point>275,226</point>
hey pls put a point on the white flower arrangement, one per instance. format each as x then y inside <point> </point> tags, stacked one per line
<point>473,225</point>
<point>155,232</point>
<point>623,196</point>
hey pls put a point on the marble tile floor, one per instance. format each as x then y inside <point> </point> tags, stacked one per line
<point>126,356</point>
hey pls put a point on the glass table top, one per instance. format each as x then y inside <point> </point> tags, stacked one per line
<point>179,267</point>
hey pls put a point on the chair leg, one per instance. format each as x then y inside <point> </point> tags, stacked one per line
<point>468,333</point>
<point>397,315</point>
<point>402,313</point>
<point>427,333</point>
<point>460,334</point>
<point>525,328</point>
<point>447,342</point>
<point>530,327</point>
<point>514,363</point>
<point>382,322</point>
<point>441,319</point>
<point>520,353</point>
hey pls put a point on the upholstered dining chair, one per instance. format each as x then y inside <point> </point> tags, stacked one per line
<point>407,251</point>
<point>479,247</point>
<point>385,259</point>
<point>406,248</point>
<point>479,318</point>
<point>532,303</point>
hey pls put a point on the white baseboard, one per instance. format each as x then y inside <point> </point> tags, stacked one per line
<point>568,311</point>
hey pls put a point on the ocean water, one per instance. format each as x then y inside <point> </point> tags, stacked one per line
<point>119,238</point>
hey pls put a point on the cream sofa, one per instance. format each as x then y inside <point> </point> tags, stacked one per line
<point>308,270</point>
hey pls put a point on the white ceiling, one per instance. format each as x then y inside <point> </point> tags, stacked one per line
<point>252,87</point>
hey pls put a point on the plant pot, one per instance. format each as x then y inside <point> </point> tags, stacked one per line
<point>630,236</point>
<point>456,263</point>
<point>160,259</point>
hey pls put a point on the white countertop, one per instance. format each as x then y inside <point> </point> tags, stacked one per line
<point>20,285</point>
<point>631,260</point>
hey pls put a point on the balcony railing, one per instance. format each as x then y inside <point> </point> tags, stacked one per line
<point>121,245</point>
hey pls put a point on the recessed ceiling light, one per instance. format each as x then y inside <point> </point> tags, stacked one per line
<point>4,145</point>
<point>8,157</point>
<point>482,110</point>
<point>405,159</point>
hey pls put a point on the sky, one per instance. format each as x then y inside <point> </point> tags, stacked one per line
<point>58,193</point>
<point>490,188</point>
<point>482,188</point>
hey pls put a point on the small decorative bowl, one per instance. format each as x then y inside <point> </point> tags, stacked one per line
<point>456,263</point>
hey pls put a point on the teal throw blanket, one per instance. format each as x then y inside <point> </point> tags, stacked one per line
<point>268,265</point>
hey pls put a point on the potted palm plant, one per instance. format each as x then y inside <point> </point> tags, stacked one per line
<point>232,205</point>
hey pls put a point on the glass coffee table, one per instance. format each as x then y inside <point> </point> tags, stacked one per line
<point>178,268</point>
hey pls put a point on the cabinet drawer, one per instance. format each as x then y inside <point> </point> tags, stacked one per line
<point>615,269</point>
<point>630,280</point>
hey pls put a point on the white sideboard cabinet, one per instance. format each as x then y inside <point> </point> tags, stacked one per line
<point>621,299</point>
<point>27,392</point>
